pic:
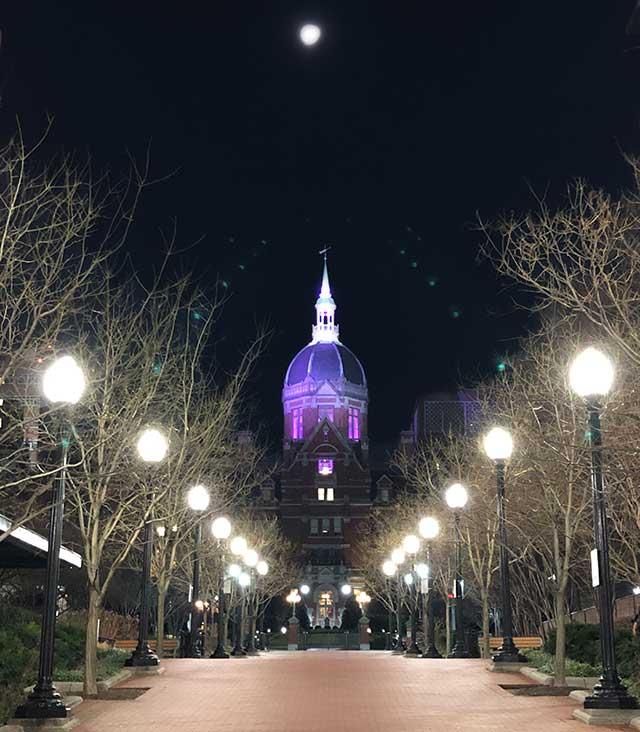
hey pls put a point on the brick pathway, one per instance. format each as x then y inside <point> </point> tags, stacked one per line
<point>328,691</point>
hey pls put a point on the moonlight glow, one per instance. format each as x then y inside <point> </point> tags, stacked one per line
<point>310,34</point>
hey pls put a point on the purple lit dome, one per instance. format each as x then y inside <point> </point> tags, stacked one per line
<point>325,362</point>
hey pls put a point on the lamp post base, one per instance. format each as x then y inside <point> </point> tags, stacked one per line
<point>509,653</point>
<point>610,695</point>
<point>413,650</point>
<point>431,652</point>
<point>142,656</point>
<point>459,651</point>
<point>43,704</point>
<point>219,653</point>
<point>51,724</point>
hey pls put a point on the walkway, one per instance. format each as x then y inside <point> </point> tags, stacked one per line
<point>318,691</point>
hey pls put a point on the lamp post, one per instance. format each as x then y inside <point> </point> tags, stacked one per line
<point>262,569</point>
<point>63,383</point>
<point>294,598</point>
<point>251,559</point>
<point>429,528</point>
<point>398,558</point>
<point>238,547</point>
<point>498,445</point>
<point>411,546</point>
<point>244,580</point>
<point>456,497</point>
<point>221,531</point>
<point>389,569</point>
<point>591,377</point>
<point>152,447</point>
<point>198,501</point>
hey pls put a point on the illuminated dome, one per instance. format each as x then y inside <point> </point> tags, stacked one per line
<point>325,362</point>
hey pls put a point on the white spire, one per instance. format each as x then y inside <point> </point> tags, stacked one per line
<point>325,330</point>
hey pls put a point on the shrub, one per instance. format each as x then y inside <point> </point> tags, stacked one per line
<point>583,643</point>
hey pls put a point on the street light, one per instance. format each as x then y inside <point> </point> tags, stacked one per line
<point>198,501</point>
<point>389,570</point>
<point>262,568</point>
<point>305,589</point>
<point>63,383</point>
<point>221,531</point>
<point>498,444</point>
<point>429,528</point>
<point>244,580</point>
<point>251,558</point>
<point>456,497</point>
<point>294,598</point>
<point>238,546</point>
<point>397,557</point>
<point>346,590</point>
<point>152,448</point>
<point>591,376</point>
<point>411,545</point>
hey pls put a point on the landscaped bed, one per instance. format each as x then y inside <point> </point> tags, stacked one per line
<point>19,643</point>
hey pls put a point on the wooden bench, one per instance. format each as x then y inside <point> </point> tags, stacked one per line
<point>170,645</point>
<point>523,642</point>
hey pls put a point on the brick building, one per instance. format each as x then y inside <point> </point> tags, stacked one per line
<point>326,486</point>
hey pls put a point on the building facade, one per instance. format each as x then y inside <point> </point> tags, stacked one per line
<point>324,490</point>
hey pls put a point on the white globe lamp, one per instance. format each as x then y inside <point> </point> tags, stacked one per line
<point>389,568</point>
<point>411,544</point>
<point>221,528</point>
<point>63,381</point>
<point>152,446</point>
<point>429,527</point>
<point>198,498</point>
<point>456,496</point>
<point>238,545</point>
<point>251,557</point>
<point>498,444</point>
<point>591,373</point>
<point>397,557</point>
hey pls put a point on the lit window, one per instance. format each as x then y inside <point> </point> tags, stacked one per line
<point>337,525</point>
<point>321,494</point>
<point>314,526</point>
<point>325,526</point>
<point>325,413</point>
<point>329,494</point>
<point>325,467</point>
<point>297,430</point>
<point>354,423</point>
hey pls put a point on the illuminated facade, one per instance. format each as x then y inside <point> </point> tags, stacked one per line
<point>325,487</point>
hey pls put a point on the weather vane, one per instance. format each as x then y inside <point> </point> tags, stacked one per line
<point>324,251</point>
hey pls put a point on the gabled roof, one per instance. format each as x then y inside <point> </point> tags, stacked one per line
<point>345,445</point>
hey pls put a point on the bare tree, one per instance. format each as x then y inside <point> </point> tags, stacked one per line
<point>58,226</point>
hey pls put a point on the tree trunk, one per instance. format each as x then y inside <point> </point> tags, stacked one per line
<point>91,645</point>
<point>448,625</point>
<point>160,624</point>
<point>486,641</point>
<point>561,641</point>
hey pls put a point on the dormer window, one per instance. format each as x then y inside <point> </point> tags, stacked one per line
<point>354,423</point>
<point>325,467</point>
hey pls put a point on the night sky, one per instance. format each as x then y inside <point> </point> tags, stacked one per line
<point>383,141</point>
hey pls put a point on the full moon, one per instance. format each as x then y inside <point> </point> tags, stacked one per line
<point>310,34</point>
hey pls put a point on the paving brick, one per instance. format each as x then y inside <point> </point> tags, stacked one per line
<point>318,691</point>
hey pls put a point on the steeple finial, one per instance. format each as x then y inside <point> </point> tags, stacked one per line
<point>325,290</point>
<point>325,330</point>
